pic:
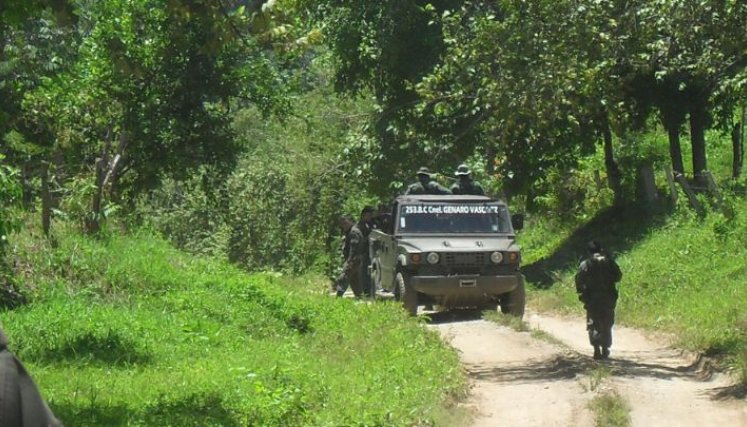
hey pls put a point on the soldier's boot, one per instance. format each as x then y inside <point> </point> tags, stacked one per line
<point>597,353</point>
<point>605,352</point>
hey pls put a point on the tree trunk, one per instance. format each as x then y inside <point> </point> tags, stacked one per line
<point>698,123</point>
<point>107,173</point>
<point>93,220</point>
<point>490,160</point>
<point>613,171</point>
<point>675,151</point>
<point>46,211</point>
<point>737,143</point>
<point>672,117</point>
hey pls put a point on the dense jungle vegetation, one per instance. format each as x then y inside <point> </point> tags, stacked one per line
<point>171,172</point>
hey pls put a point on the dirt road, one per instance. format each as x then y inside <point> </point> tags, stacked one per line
<point>548,378</point>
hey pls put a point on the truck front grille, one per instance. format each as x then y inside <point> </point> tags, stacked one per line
<point>474,259</point>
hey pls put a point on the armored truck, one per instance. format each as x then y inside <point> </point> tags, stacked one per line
<point>451,251</point>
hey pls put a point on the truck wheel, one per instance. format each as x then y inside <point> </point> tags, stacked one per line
<point>406,294</point>
<point>513,302</point>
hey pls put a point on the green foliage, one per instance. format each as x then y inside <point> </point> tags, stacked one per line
<point>496,79</point>
<point>279,208</point>
<point>10,194</point>
<point>129,93</point>
<point>128,331</point>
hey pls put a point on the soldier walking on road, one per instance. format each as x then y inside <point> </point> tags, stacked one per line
<point>595,284</point>
<point>466,185</point>
<point>426,185</point>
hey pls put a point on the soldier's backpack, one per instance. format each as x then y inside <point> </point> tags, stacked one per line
<point>597,277</point>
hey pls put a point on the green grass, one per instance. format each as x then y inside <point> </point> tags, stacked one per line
<point>128,331</point>
<point>610,410</point>
<point>507,320</point>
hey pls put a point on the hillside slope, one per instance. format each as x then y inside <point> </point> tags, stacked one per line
<point>125,330</point>
<point>681,274</point>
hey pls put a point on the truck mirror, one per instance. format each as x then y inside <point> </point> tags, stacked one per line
<point>517,221</point>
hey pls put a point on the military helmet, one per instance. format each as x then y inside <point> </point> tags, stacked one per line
<point>424,171</point>
<point>462,170</point>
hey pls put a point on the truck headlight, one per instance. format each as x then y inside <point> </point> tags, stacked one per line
<point>496,257</point>
<point>433,258</point>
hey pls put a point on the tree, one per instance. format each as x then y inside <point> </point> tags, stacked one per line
<point>151,93</point>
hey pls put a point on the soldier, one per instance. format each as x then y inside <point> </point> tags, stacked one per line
<point>365,225</point>
<point>342,283</point>
<point>356,258</point>
<point>426,185</point>
<point>21,405</point>
<point>595,284</point>
<point>466,185</point>
<point>382,220</point>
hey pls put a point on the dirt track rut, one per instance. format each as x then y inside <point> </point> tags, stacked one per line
<point>520,379</point>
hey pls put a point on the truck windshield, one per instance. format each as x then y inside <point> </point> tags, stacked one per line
<point>448,218</point>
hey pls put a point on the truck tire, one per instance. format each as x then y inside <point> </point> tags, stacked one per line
<point>513,302</point>
<point>406,294</point>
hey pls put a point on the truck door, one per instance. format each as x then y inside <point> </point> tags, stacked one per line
<point>383,251</point>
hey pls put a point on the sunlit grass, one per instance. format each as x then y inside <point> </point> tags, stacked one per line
<point>128,331</point>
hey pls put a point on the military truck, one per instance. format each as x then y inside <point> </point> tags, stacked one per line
<point>451,251</point>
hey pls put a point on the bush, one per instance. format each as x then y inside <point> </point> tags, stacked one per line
<point>278,209</point>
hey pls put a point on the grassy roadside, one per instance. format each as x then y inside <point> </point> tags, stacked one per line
<point>610,410</point>
<point>682,274</point>
<point>128,331</point>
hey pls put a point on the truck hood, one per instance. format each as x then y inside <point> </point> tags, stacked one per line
<point>458,244</point>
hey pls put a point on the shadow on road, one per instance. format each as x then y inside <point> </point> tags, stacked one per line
<point>738,391</point>
<point>618,228</point>
<point>572,364</point>
<point>452,316</point>
<point>697,370</point>
<point>564,367</point>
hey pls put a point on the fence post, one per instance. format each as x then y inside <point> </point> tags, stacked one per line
<point>680,178</point>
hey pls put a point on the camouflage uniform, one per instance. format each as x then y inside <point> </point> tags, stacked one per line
<point>21,404</point>
<point>467,186</point>
<point>425,185</point>
<point>431,187</point>
<point>342,282</point>
<point>356,259</point>
<point>595,285</point>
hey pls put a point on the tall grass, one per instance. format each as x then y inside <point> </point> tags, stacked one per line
<point>128,331</point>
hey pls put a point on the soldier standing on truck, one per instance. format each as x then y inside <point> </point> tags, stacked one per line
<point>426,185</point>
<point>595,284</point>
<point>466,185</point>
